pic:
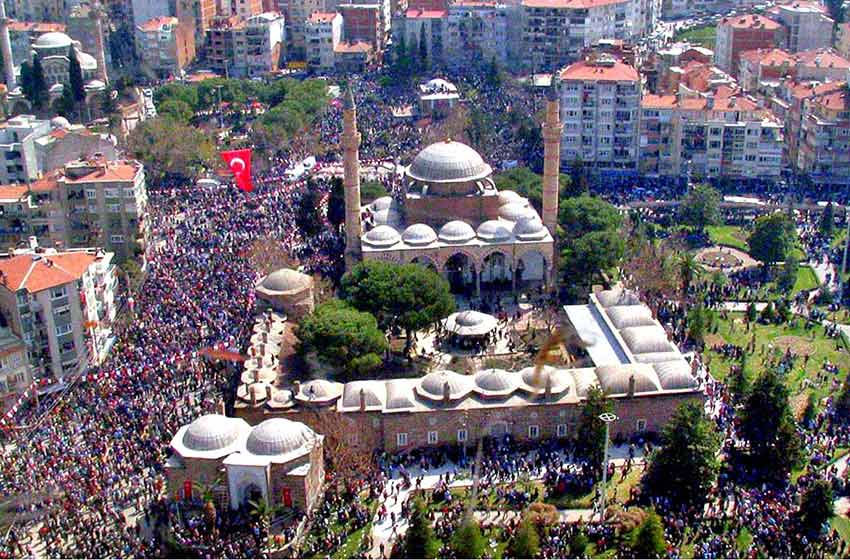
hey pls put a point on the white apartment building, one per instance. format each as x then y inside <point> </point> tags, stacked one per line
<point>600,111</point>
<point>476,32</point>
<point>164,47</point>
<point>298,15</point>
<point>62,305</point>
<point>246,48</point>
<point>15,376</point>
<point>807,26</point>
<point>17,148</point>
<point>323,33</point>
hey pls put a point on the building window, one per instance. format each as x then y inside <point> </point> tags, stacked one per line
<point>461,434</point>
<point>91,194</point>
<point>401,439</point>
<point>641,425</point>
<point>116,238</point>
<point>534,431</point>
<point>562,430</point>
<point>57,293</point>
<point>63,329</point>
<point>432,437</point>
<point>23,298</point>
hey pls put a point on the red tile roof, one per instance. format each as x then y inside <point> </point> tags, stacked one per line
<point>569,4</point>
<point>593,71</point>
<point>805,90</point>
<point>652,101</point>
<point>768,57</point>
<point>155,24</point>
<point>322,17</point>
<point>12,192</point>
<point>36,26</point>
<point>50,271</point>
<point>425,14</point>
<point>355,47</point>
<point>822,58</point>
<point>47,183</point>
<point>750,21</point>
<point>114,171</point>
<point>835,100</point>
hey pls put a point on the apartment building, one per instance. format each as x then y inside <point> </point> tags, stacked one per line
<point>477,32</point>
<point>737,34</point>
<point>146,10</point>
<point>324,33</point>
<point>363,22</point>
<point>807,26</point>
<point>709,137</point>
<point>19,162</point>
<point>842,40</point>
<point>789,102</point>
<point>239,8</point>
<point>764,65</point>
<point>299,12</point>
<point>246,48</point>
<point>600,111</point>
<point>15,376</point>
<point>824,149</point>
<point>62,304</point>
<point>200,14</point>
<point>428,25</point>
<point>555,32</point>
<point>165,47</point>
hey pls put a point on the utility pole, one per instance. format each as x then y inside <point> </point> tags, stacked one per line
<point>220,111</point>
<point>608,418</point>
<point>844,261</point>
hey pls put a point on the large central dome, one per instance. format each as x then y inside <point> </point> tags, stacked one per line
<point>448,162</point>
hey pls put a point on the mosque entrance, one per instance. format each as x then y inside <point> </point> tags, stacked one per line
<point>251,493</point>
<point>496,273</point>
<point>460,273</point>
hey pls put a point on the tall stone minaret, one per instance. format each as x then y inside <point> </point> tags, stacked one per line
<point>97,15</point>
<point>6,45</point>
<point>351,180</point>
<point>551,156</point>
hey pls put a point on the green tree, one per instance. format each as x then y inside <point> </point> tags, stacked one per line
<point>336,203</point>
<point>75,75</point>
<point>34,85</point>
<point>689,269</point>
<point>467,541</point>
<point>410,296</point>
<point>583,214</point>
<point>423,47</point>
<point>699,321</point>
<point>592,243</point>
<point>649,538</point>
<point>773,238</point>
<point>529,184</point>
<point>686,466</point>
<point>842,402</point>
<point>826,225</point>
<point>817,506</point>
<point>788,276</point>
<point>343,337</point>
<point>175,109</point>
<point>27,86</point>
<point>810,412</point>
<point>591,430</point>
<point>64,106</point>
<point>700,207</point>
<point>171,148</point>
<point>739,384</point>
<point>752,312</point>
<point>420,542</point>
<point>768,425</point>
<point>371,190</point>
<point>525,542</point>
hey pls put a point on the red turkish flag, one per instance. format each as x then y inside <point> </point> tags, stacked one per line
<point>239,162</point>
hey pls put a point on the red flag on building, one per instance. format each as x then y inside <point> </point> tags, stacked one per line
<point>239,162</point>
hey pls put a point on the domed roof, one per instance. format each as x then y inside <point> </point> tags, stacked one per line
<point>52,40</point>
<point>624,316</point>
<point>56,88</point>
<point>94,85</point>
<point>515,211</point>
<point>642,340</point>
<point>59,122</point>
<point>559,380</point>
<point>456,231</point>
<point>382,203</point>
<point>387,216</point>
<point>399,395</point>
<point>419,234</point>
<point>439,83</point>
<point>448,162</point>
<point>471,318</point>
<point>382,236</point>
<point>495,382</point>
<point>506,197</point>
<point>433,385</point>
<point>615,379</point>
<point>279,436</point>
<point>210,432</point>
<point>617,296</point>
<point>675,375</point>
<point>87,61</point>
<point>494,230</point>
<point>374,393</point>
<point>285,280</point>
<point>529,229</point>
<point>319,390</point>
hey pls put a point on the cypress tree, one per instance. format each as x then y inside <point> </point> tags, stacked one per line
<point>40,94</point>
<point>419,542</point>
<point>75,74</point>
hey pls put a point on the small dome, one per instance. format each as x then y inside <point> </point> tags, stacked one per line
<point>319,390</point>
<point>494,230</point>
<point>373,392</point>
<point>433,385</point>
<point>617,296</point>
<point>471,318</point>
<point>437,84</point>
<point>59,122</point>
<point>615,379</point>
<point>507,197</point>
<point>87,61</point>
<point>529,229</point>
<point>210,432</point>
<point>382,236</point>
<point>52,40</point>
<point>456,232</point>
<point>495,382</point>
<point>515,211</point>
<point>386,217</point>
<point>57,88</point>
<point>584,379</point>
<point>399,395</point>
<point>448,162</point>
<point>419,234</point>
<point>285,280</point>
<point>279,436</point>
<point>382,203</point>
<point>675,375</point>
<point>559,380</point>
<point>642,340</point>
<point>624,316</point>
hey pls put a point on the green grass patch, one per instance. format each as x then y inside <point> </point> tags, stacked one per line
<point>705,36</point>
<point>743,540</point>
<point>730,236</point>
<point>842,526</point>
<point>801,340</point>
<point>349,547</point>
<point>806,279</point>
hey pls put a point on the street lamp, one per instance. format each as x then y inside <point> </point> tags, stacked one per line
<point>608,418</point>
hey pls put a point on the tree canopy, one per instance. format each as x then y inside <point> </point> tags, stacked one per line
<point>419,541</point>
<point>168,147</point>
<point>700,207</point>
<point>467,541</point>
<point>649,538</point>
<point>816,507</point>
<point>342,337</point>
<point>336,203</point>
<point>773,238</point>
<point>592,242</point>
<point>591,430</point>
<point>529,184</point>
<point>525,542</point>
<point>75,76</point>
<point>685,467</point>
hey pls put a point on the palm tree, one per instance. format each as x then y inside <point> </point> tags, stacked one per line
<point>261,510</point>
<point>689,269</point>
<point>208,496</point>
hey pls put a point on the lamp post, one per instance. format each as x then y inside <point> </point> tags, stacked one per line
<point>608,418</point>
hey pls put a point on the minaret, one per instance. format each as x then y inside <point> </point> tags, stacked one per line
<point>6,45</point>
<point>97,14</point>
<point>351,179</point>
<point>551,156</point>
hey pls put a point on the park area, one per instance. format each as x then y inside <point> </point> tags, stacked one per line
<point>704,36</point>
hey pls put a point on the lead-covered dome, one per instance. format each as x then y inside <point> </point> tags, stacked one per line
<point>494,230</point>
<point>515,211</point>
<point>419,234</point>
<point>456,231</point>
<point>53,40</point>
<point>529,229</point>
<point>508,196</point>
<point>383,203</point>
<point>285,280</point>
<point>495,382</point>
<point>210,432</point>
<point>448,162</point>
<point>279,436</point>
<point>436,384</point>
<point>382,236</point>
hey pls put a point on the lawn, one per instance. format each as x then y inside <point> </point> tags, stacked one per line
<point>730,236</point>
<point>705,36</point>
<point>842,526</point>
<point>812,341</point>
<point>806,279</point>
